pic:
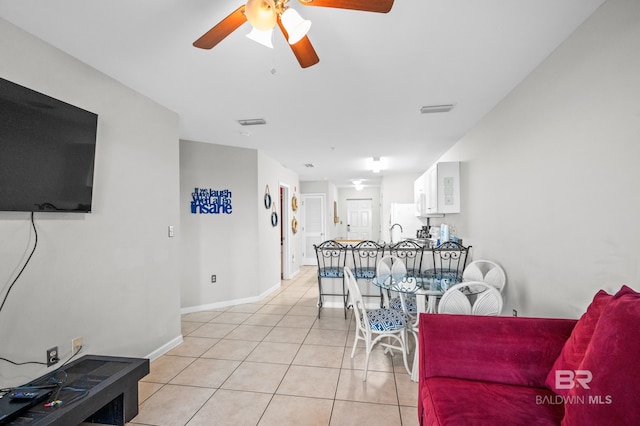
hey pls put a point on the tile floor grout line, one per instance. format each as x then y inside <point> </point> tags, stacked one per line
<point>295,305</point>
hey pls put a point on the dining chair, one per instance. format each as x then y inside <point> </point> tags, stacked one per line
<point>488,300</point>
<point>331,257</point>
<point>393,267</point>
<point>366,255</point>
<point>376,326</point>
<point>411,253</point>
<point>449,261</point>
<point>485,271</point>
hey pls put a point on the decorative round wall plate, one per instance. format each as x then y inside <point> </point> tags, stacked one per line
<point>294,225</point>
<point>294,203</point>
<point>267,198</point>
<point>274,216</point>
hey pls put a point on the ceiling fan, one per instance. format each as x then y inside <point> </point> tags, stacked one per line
<point>263,15</point>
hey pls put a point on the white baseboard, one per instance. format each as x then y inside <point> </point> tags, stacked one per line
<point>165,348</point>
<point>233,302</point>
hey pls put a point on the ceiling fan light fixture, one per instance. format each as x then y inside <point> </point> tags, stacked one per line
<point>296,26</point>
<point>261,14</point>
<point>262,37</point>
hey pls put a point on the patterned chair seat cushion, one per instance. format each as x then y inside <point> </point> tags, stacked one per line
<point>453,276</point>
<point>330,272</point>
<point>409,301</point>
<point>367,272</point>
<point>386,319</point>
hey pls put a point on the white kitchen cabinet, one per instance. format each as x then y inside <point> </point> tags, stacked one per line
<point>437,191</point>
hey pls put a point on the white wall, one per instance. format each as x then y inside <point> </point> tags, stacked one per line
<point>220,244</point>
<point>331,194</point>
<point>111,276</point>
<point>242,248</point>
<point>271,173</point>
<point>550,177</point>
<point>394,189</point>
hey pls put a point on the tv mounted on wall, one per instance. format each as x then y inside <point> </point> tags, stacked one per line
<point>47,151</point>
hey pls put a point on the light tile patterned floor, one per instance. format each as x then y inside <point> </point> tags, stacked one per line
<point>275,363</point>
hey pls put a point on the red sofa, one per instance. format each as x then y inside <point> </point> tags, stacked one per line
<point>533,371</point>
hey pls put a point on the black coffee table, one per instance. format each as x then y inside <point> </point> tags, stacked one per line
<point>96,389</point>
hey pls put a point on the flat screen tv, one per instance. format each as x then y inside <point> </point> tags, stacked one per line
<point>47,151</point>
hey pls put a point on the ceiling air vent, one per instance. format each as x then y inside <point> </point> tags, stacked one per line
<point>252,122</point>
<point>309,165</point>
<point>430,109</point>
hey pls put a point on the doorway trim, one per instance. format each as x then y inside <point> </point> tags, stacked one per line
<point>285,232</point>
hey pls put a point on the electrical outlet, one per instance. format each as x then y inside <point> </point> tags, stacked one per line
<point>213,278</point>
<point>515,313</point>
<point>52,356</point>
<point>76,345</point>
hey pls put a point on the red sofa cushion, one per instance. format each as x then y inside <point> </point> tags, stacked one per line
<point>513,352</point>
<point>612,361</point>
<point>574,349</point>
<point>510,350</point>
<point>449,401</point>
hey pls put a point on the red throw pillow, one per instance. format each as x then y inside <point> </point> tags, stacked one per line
<point>574,349</point>
<point>605,383</point>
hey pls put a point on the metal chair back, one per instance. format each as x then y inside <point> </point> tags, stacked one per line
<point>332,258</point>
<point>366,255</point>
<point>449,260</point>
<point>411,253</point>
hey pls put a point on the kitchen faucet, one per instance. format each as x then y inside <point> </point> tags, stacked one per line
<point>391,231</point>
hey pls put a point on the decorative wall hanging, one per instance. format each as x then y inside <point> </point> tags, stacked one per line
<point>211,201</point>
<point>267,198</point>
<point>274,216</point>
<point>294,225</point>
<point>336,219</point>
<point>294,203</point>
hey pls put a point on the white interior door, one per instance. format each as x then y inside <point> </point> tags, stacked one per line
<point>359,219</point>
<point>313,226</point>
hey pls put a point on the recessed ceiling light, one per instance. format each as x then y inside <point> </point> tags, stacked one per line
<point>252,122</point>
<point>430,109</point>
<point>376,165</point>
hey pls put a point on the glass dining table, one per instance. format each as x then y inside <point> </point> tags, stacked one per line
<point>426,290</point>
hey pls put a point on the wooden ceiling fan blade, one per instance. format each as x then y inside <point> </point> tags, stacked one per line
<point>225,27</point>
<point>303,50</point>
<point>305,53</point>
<point>380,6</point>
